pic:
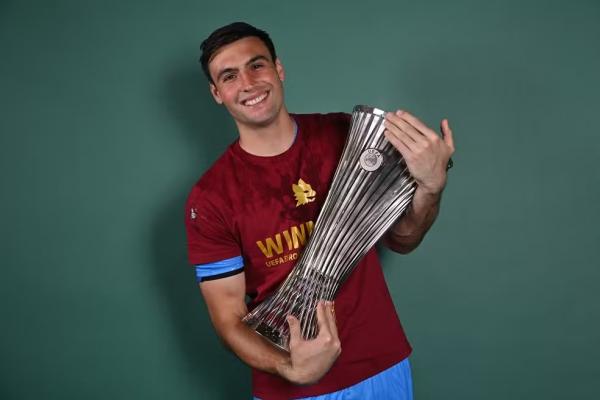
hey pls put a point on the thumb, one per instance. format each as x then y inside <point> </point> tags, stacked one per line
<point>447,133</point>
<point>294,325</point>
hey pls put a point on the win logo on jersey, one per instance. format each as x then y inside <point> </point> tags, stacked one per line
<point>303,193</point>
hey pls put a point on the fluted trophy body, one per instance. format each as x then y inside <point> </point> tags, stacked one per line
<point>371,188</point>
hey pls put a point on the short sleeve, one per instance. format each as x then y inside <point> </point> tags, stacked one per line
<point>210,237</point>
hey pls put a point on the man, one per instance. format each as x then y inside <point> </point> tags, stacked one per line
<point>250,214</point>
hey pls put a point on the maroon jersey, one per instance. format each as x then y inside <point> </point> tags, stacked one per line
<point>264,209</point>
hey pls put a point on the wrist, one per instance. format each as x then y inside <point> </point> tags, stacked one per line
<point>286,371</point>
<point>434,184</point>
<point>427,195</point>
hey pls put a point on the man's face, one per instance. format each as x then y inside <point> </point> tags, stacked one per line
<point>247,82</point>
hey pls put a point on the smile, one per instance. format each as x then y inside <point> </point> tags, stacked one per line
<point>254,101</point>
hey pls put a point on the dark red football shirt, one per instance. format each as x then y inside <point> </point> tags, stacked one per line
<point>264,209</point>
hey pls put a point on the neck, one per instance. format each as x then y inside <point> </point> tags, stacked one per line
<point>268,140</point>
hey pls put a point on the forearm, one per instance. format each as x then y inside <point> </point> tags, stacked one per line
<point>307,361</point>
<point>406,234</point>
<point>226,307</point>
<point>246,344</point>
<point>254,350</point>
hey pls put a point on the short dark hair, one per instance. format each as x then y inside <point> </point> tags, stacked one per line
<point>228,34</point>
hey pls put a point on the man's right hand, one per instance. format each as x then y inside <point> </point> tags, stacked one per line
<point>311,359</point>
<point>307,361</point>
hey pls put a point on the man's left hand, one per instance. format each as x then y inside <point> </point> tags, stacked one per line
<point>425,152</point>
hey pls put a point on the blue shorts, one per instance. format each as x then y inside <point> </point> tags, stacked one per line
<point>395,383</point>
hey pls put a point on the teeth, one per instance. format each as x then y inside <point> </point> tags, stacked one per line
<point>256,100</point>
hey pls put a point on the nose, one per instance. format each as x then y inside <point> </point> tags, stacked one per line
<point>247,80</point>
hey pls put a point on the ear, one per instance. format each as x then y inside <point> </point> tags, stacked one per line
<point>280,70</point>
<point>215,93</point>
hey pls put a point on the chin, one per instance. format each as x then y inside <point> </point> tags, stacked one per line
<point>262,120</point>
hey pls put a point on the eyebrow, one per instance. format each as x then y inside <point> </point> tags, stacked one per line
<point>253,59</point>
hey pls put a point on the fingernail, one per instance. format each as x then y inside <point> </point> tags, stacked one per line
<point>399,112</point>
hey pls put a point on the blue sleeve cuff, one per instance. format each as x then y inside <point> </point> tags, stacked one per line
<point>219,269</point>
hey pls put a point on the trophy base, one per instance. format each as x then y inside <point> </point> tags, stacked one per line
<point>273,335</point>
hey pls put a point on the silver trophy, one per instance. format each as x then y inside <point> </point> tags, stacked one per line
<point>371,188</point>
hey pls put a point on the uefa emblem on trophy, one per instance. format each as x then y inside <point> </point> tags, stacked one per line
<point>371,188</point>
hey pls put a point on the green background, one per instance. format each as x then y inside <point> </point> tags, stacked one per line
<point>106,123</point>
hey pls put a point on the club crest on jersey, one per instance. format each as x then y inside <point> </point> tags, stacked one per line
<point>303,193</point>
<point>371,159</point>
<point>193,213</point>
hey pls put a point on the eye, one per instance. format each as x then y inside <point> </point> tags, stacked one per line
<point>228,77</point>
<point>257,66</point>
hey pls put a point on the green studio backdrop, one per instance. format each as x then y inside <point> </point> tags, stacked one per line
<point>107,123</point>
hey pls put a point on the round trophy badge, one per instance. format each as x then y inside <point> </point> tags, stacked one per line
<point>371,159</point>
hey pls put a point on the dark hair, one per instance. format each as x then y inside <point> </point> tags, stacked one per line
<point>228,34</point>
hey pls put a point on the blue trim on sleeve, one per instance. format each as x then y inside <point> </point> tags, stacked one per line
<point>217,268</point>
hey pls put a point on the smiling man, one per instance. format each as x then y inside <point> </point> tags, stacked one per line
<point>250,215</point>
